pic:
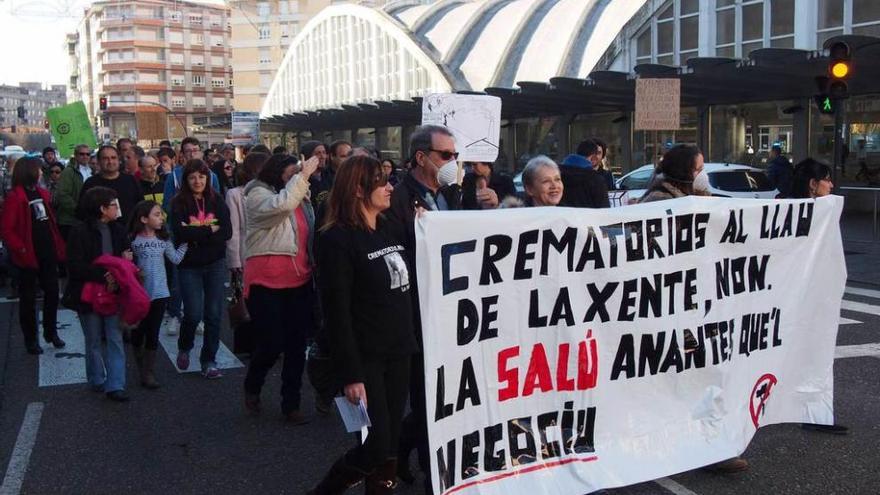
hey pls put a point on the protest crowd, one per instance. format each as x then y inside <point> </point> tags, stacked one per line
<point>310,252</point>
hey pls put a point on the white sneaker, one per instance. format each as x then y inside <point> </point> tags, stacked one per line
<point>200,330</point>
<point>172,326</point>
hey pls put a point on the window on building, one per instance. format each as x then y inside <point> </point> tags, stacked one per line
<point>263,9</point>
<point>672,36</point>
<point>643,47</point>
<point>195,19</point>
<point>837,17</point>
<point>177,80</point>
<point>265,57</point>
<point>218,82</point>
<point>217,40</point>
<point>197,39</point>
<point>217,60</point>
<point>197,60</point>
<point>198,102</point>
<point>175,16</point>
<point>218,102</point>
<point>265,32</point>
<point>782,23</point>
<point>198,80</point>
<point>230,82</point>
<point>177,58</point>
<point>215,21</point>
<point>178,101</point>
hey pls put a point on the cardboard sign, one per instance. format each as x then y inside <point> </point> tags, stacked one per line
<point>658,104</point>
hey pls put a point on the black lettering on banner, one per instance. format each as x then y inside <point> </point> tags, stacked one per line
<point>669,281</point>
<point>651,297</point>
<point>628,301</point>
<point>489,316</point>
<point>625,359</point>
<point>446,466</point>
<point>583,441</point>
<point>673,356</point>
<point>650,352</point>
<point>701,220</point>
<point>468,321</point>
<point>734,233</point>
<point>470,457</point>
<point>548,449</point>
<point>735,276</point>
<point>562,309</point>
<point>447,251</point>
<point>592,252</point>
<point>495,248</point>
<point>526,239</point>
<point>654,227</point>
<point>805,219</point>
<point>635,250</point>
<point>684,234</point>
<point>442,410</point>
<point>467,387</point>
<point>492,460</point>
<point>517,429</point>
<point>611,232</point>
<point>599,298</point>
<point>563,244</point>
<point>536,319</point>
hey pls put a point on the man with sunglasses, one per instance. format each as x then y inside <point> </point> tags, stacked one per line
<point>70,185</point>
<point>431,147</point>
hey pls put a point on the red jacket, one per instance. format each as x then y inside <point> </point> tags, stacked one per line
<point>17,232</point>
<point>131,302</point>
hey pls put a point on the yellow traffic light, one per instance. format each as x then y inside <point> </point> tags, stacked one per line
<point>839,69</point>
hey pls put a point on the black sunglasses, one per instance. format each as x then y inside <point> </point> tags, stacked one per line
<point>446,155</point>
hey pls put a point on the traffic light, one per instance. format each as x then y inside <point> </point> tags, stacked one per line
<point>46,124</point>
<point>22,113</point>
<point>839,69</point>
<point>825,103</point>
<point>102,103</point>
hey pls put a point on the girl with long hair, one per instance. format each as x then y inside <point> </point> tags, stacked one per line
<point>199,217</point>
<point>151,245</point>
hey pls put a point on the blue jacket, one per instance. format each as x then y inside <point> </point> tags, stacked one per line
<point>780,173</point>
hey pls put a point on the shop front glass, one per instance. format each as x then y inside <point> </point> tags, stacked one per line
<point>745,133</point>
<point>534,137</point>
<point>610,127</point>
<point>649,146</point>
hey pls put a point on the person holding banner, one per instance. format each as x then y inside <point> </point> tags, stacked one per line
<point>812,179</point>
<point>365,285</point>
<point>542,182</point>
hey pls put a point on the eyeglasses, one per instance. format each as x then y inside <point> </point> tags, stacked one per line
<point>83,153</point>
<point>446,155</point>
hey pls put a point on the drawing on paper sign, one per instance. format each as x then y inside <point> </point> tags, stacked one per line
<point>475,120</point>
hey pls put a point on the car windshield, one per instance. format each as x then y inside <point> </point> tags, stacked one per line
<point>740,181</point>
<point>637,180</point>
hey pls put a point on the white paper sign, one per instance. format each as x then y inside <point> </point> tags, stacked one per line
<point>570,350</point>
<point>354,417</point>
<point>475,120</point>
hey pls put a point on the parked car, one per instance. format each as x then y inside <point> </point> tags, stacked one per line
<point>726,180</point>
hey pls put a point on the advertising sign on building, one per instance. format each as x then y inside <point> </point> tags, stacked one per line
<point>573,350</point>
<point>245,128</point>
<point>70,126</point>
<point>475,121</point>
<point>658,104</point>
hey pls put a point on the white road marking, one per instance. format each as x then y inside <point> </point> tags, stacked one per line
<point>860,307</point>
<point>674,487</point>
<point>847,321</point>
<point>859,350</point>
<point>68,365</point>
<point>858,291</point>
<point>225,358</point>
<point>21,452</point>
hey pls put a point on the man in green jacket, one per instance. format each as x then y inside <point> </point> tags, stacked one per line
<point>69,186</point>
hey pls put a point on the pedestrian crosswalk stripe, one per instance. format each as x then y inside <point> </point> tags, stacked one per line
<point>858,291</point>
<point>847,321</point>
<point>68,365</point>
<point>860,307</point>
<point>858,350</point>
<point>225,358</point>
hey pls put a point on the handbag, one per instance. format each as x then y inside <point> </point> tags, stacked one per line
<point>238,312</point>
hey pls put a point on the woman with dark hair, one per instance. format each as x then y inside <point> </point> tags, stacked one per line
<point>225,171</point>
<point>368,322</point>
<point>675,175</point>
<point>278,277</point>
<point>199,217</point>
<point>99,234</point>
<point>35,246</point>
<point>812,179</point>
<point>247,171</point>
<point>388,169</point>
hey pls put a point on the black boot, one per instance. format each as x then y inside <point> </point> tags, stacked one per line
<point>341,477</point>
<point>404,448</point>
<point>382,481</point>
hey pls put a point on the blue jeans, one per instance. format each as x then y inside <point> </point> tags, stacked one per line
<point>105,360</point>
<point>202,289</point>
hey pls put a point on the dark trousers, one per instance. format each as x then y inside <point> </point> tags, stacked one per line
<point>146,334</point>
<point>415,428</point>
<point>47,278</point>
<point>386,380</point>
<point>280,319</point>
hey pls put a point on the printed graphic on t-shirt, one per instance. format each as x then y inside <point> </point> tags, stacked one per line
<point>39,210</point>
<point>397,270</point>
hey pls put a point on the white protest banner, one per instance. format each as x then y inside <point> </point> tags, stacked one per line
<point>475,121</point>
<point>569,350</point>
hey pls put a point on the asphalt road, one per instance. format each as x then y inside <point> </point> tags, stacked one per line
<point>192,436</point>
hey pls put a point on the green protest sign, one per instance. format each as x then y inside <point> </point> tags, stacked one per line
<point>70,127</point>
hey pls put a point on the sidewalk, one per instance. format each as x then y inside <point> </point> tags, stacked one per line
<point>862,253</point>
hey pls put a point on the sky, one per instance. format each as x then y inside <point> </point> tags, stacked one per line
<point>32,38</point>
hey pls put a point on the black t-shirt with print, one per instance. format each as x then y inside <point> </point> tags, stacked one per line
<point>365,290</point>
<point>44,246</point>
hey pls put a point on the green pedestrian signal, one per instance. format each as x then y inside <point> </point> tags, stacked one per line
<point>826,104</point>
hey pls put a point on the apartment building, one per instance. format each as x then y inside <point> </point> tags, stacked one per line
<point>152,57</point>
<point>33,99</point>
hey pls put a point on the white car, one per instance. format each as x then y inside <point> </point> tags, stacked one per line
<point>726,180</point>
